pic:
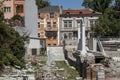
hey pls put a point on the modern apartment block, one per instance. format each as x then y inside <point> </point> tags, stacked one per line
<point>13,7</point>
<point>49,18</point>
<point>71,23</point>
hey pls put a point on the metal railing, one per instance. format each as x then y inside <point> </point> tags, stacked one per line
<point>51,29</point>
<point>73,29</point>
<point>69,29</point>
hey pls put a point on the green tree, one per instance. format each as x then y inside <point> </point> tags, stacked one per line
<point>1,5</point>
<point>1,10</point>
<point>12,49</point>
<point>102,28</point>
<point>108,23</point>
<point>117,5</point>
<point>1,16</point>
<point>18,48</point>
<point>42,3</point>
<point>116,8</point>
<point>97,5</point>
<point>17,20</point>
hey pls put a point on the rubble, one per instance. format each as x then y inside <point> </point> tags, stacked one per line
<point>114,67</point>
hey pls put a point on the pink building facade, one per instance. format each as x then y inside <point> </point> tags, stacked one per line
<point>13,7</point>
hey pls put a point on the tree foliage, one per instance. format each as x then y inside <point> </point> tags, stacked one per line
<point>17,20</point>
<point>1,16</point>
<point>42,3</point>
<point>109,23</point>
<point>12,49</point>
<point>97,5</point>
<point>1,5</point>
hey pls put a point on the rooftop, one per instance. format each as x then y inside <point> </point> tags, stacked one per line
<point>79,12</point>
<point>50,9</point>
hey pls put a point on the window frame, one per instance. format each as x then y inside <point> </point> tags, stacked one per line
<point>7,9</point>
<point>68,24</point>
<point>48,25</point>
<point>52,15</point>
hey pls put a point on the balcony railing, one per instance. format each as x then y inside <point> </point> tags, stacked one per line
<point>19,0</point>
<point>51,29</point>
<point>69,29</point>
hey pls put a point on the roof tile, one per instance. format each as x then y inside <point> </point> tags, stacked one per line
<point>80,11</point>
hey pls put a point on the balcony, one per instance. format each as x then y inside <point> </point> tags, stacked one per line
<point>19,2</point>
<point>51,29</point>
<point>69,29</point>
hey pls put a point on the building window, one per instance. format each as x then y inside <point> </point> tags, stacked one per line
<point>65,24</point>
<point>7,9</point>
<point>34,51</point>
<point>49,35</point>
<point>38,24</point>
<point>38,34</point>
<point>39,15</point>
<point>54,44</point>
<point>78,23</point>
<point>65,36</point>
<point>48,25</point>
<point>54,35</point>
<point>7,0</point>
<point>70,35</point>
<point>49,44</point>
<point>51,15</point>
<point>68,24</point>
<point>75,35</point>
<point>54,24</point>
<point>19,9</point>
<point>91,22</point>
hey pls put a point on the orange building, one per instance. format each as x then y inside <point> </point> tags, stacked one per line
<point>49,25</point>
<point>13,7</point>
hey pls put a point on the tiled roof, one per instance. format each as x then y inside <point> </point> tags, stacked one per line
<point>79,12</point>
<point>50,9</point>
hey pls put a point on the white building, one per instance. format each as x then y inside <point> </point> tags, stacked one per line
<point>31,24</point>
<point>71,22</point>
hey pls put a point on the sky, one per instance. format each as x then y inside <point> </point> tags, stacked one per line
<point>73,4</point>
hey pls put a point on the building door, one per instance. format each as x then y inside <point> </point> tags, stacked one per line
<point>34,51</point>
